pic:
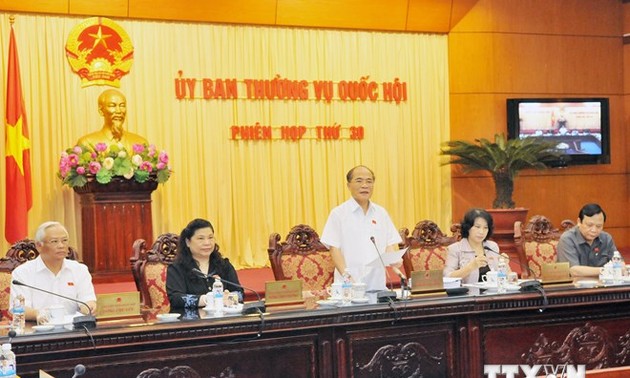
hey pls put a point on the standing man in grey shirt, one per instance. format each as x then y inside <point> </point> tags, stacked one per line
<point>586,247</point>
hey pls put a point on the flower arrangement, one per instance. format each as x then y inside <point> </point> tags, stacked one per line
<point>104,162</point>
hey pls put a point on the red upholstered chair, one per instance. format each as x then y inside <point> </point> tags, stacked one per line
<point>427,246</point>
<point>19,253</point>
<point>149,269</point>
<point>302,256</point>
<point>536,243</point>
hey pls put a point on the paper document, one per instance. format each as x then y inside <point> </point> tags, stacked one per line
<point>388,258</point>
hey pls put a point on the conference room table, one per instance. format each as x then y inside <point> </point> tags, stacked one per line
<point>431,335</point>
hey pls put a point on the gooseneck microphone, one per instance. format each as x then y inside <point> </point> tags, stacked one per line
<point>78,370</point>
<point>384,295</point>
<point>79,322</point>
<point>529,270</point>
<point>248,308</point>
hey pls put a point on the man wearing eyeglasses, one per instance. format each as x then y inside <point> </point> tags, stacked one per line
<point>586,246</point>
<point>52,271</point>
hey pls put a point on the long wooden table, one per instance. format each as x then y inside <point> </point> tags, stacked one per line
<point>429,337</point>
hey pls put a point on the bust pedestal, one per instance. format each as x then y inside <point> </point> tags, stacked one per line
<point>113,216</point>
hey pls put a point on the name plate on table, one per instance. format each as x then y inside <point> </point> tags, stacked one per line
<point>555,273</point>
<point>283,292</point>
<point>117,305</point>
<point>426,281</point>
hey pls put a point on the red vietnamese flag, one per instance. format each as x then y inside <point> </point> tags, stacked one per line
<point>19,198</point>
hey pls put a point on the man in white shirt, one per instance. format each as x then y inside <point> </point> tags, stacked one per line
<point>358,230</point>
<point>53,272</point>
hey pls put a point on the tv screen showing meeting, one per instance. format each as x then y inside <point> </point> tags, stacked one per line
<point>579,127</point>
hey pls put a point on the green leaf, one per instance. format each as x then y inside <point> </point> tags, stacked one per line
<point>163,175</point>
<point>104,176</point>
<point>141,176</point>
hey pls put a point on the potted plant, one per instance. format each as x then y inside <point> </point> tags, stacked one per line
<point>503,159</point>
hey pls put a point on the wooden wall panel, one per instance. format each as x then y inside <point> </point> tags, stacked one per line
<point>110,8</point>
<point>526,63</point>
<point>557,197</point>
<point>429,15</point>
<point>564,17</point>
<point>234,11</point>
<point>41,6</point>
<point>353,14</point>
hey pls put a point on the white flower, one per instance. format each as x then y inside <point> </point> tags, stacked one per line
<point>129,174</point>
<point>122,153</point>
<point>108,163</point>
<point>136,160</point>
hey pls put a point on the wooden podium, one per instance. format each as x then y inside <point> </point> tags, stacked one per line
<point>113,216</point>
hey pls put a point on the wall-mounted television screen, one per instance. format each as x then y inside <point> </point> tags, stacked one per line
<point>578,126</point>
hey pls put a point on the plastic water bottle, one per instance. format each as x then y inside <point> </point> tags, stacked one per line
<point>617,263</point>
<point>346,288</point>
<point>217,289</point>
<point>502,271</point>
<point>19,317</point>
<point>7,362</point>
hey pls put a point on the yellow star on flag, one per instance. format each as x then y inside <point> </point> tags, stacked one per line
<point>99,37</point>
<point>16,143</point>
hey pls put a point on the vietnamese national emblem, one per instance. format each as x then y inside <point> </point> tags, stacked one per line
<point>99,51</point>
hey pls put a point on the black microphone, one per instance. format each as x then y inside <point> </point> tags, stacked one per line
<point>529,270</point>
<point>79,322</point>
<point>248,308</point>
<point>384,295</point>
<point>78,370</point>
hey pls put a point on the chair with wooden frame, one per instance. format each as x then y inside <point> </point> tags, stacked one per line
<point>536,243</point>
<point>427,246</point>
<point>302,256</point>
<point>149,269</point>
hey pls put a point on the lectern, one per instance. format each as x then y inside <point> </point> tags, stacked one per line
<point>113,216</point>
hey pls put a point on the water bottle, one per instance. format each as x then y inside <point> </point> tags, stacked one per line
<point>19,317</point>
<point>346,288</point>
<point>502,271</point>
<point>217,289</point>
<point>617,263</point>
<point>7,362</point>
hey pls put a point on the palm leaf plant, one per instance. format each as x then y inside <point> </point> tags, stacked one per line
<point>503,159</point>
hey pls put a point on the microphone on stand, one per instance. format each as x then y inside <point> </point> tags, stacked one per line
<point>79,322</point>
<point>248,308</point>
<point>384,295</point>
<point>529,270</point>
<point>78,370</point>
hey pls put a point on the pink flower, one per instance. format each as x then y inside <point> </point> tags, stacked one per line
<point>163,157</point>
<point>64,171</point>
<point>138,148</point>
<point>93,155</point>
<point>73,160</point>
<point>80,170</point>
<point>77,150</point>
<point>100,147</point>
<point>94,167</point>
<point>160,166</point>
<point>152,150</point>
<point>146,166</point>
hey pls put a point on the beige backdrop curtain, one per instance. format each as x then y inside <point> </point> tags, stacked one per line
<point>247,189</point>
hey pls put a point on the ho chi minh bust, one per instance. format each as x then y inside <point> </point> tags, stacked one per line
<point>112,105</point>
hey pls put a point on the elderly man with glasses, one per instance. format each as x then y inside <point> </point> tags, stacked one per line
<point>52,271</point>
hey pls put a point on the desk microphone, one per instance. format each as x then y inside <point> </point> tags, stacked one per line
<point>248,308</point>
<point>384,295</point>
<point>87,321</point>
<point>529,270</point>
<point>527,286</point>
<point>78,370</point>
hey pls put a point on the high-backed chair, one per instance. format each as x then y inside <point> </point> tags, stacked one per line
<point>427,246</point>
<point>536,243</point>
<point>302,256</point>
<point>149,269</point>
<point>19,253</point>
